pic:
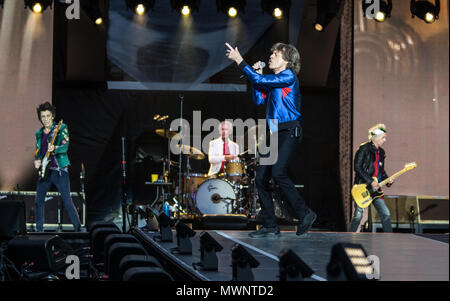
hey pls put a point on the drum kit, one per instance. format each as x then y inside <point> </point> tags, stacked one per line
<point>195,193</point>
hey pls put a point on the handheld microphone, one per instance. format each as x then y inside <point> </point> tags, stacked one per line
<point>262,66</point>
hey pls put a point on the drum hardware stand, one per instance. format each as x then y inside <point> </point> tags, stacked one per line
<point>124,185</point>
<point>180,156</point>
<point>60,227</point>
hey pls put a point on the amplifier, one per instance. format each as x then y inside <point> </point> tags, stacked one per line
<point>401,208</point>
<point>433,209</point>
<point>52,202</point>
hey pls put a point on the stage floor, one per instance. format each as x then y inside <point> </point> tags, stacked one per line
<point>403,257</point>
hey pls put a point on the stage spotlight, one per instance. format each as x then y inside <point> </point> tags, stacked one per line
<point>292,268</point>
<point>165,224</point>
<point>275,7</point>
<point>186,10</point>
<point>232,12</point>
<point>348,262</point>
<point>208,249</point>
<point>384,11</point>
<point>326,11</point>
<point>425,10</point>
<point>184,233</point>
<point>92,9</point>
<point>243,263</point>
<point>140,7</point>
<point>38,6</point>
<point>185,7</point>
<point>231,7</point>
<point>277,12</point>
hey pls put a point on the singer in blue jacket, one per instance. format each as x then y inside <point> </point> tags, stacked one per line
<point>280,92</point>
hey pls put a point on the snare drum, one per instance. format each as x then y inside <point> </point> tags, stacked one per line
<point>215,196</point>
<point>234,170</point>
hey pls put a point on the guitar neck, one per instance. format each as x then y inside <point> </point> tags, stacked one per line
<point>396,175</point>
<point>47,154</point>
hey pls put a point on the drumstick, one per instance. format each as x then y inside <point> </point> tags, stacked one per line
<point>243,153</point>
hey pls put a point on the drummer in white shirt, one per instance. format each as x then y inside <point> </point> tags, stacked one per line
<point>222,150</point>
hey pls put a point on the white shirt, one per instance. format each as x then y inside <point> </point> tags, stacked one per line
<point>215,154</point>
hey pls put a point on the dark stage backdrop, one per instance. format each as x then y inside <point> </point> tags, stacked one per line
<point>97,120</point>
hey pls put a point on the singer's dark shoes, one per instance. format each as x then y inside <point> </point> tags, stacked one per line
<point>273,232</point>
<point>304,226</point>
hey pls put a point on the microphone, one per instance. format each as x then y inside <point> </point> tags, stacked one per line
<point>262,66</point>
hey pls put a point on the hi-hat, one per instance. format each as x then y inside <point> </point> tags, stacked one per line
<point>168,134</point>
<point>191,152</point>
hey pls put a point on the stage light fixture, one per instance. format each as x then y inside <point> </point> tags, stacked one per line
<point>165,224</point>
<point>385,8</point>
<point>348,262</point>
<point>326,11</point>
<point>38,6</point>
<point>186,10</point>
<point>292,267</point>
<point>184,233</point>
<point>276,8</point>
<point>140,7</point>
<point>92,9</point>
<point>208,249</point>
<point>185,7</point>
<point>242,263</point>
<point>232,12</point>
<point>425,10</point>
<point>231,7</point>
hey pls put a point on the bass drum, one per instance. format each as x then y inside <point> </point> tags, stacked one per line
<point>215,196</point>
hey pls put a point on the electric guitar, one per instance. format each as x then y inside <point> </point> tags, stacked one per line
<point>43,170</point>
<point>364,195</point>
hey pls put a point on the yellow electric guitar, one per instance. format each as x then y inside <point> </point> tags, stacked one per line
<point>364,195</point>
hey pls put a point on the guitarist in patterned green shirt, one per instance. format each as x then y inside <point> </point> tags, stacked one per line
<point>57,171</point>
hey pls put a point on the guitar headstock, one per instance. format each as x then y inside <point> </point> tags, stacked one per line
<point>409,166</point>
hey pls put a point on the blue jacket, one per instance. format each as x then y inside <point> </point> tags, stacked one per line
<point>281,93</point>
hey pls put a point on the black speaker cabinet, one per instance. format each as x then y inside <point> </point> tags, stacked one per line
<point>12,218</point>
<point>52,202</point>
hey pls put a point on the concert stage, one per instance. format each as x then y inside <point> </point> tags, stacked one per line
<point>403,257</point>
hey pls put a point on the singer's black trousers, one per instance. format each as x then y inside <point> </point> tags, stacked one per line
<point>288,142</point>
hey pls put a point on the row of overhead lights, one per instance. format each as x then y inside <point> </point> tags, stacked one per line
<point>425,10</point>
<point>328,9</point>
<point>232,8</point>
<point>91,7</point>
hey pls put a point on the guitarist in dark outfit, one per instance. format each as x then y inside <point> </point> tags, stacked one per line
<point>369,163</point>
<point>57,172</point>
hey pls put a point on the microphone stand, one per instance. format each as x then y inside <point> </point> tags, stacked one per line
<point>411,215</point>
<point>124,183</point>
<point>180,156</point>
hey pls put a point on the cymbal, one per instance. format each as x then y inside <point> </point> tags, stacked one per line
<point>168,134</point>
<point>191,152</point>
